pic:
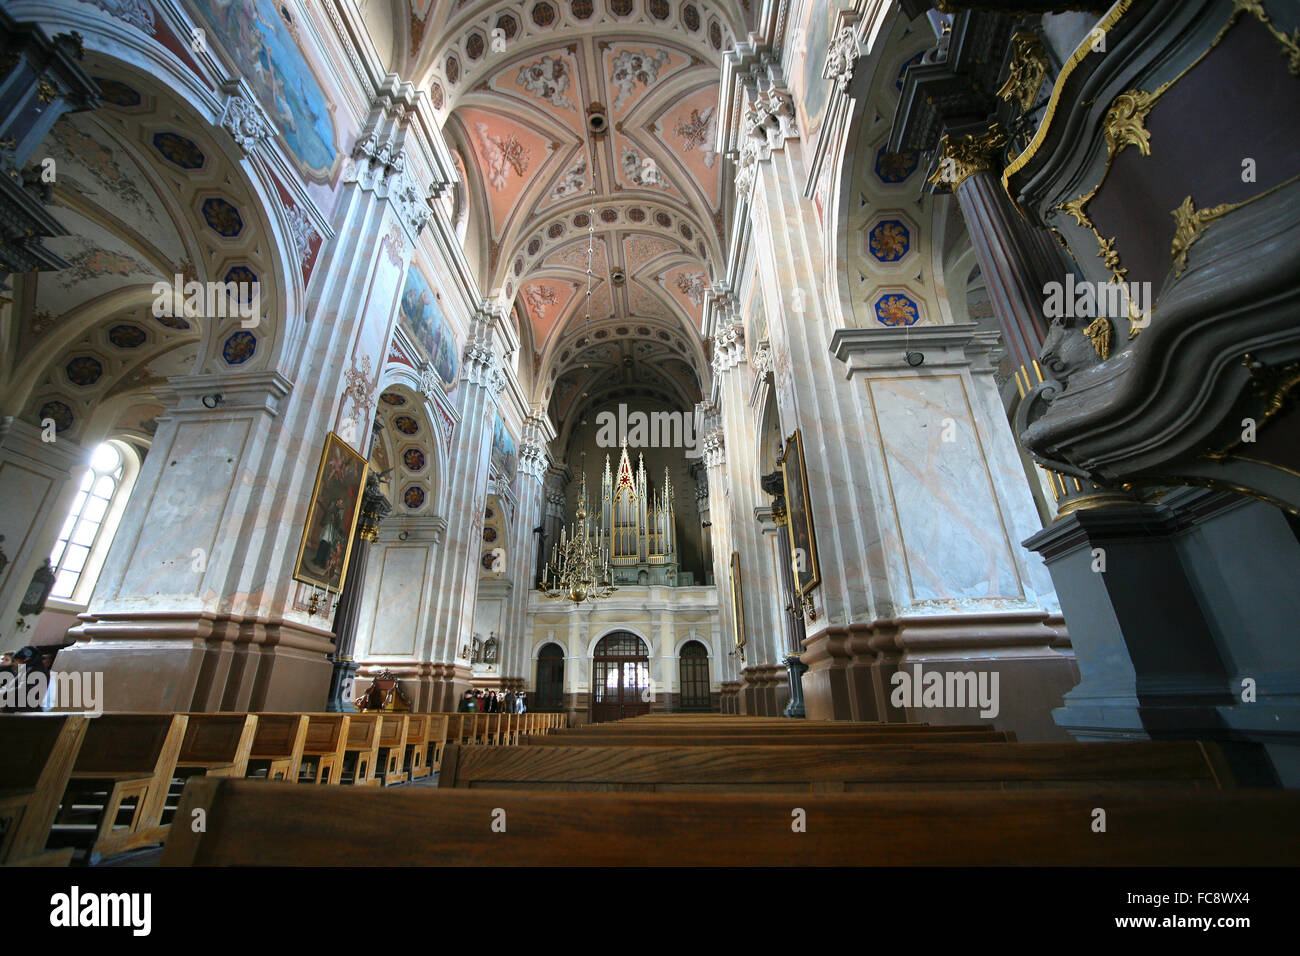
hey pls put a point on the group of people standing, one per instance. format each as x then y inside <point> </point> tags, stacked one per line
<point>494,702</point>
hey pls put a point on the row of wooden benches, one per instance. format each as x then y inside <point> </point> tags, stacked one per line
<point>111,782</point>
<point>825,794</point>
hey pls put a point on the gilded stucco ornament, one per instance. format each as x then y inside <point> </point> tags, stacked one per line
<point>1028,69</point>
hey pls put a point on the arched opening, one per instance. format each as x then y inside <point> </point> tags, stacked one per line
<point>549,695</point>
<point>694,677</point>
<point>620,677</point>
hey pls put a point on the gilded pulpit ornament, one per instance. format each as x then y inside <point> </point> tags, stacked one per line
<point>1099,334</point>
<point>1125,122</point>
<point>1028,69</point>
<point>962,158</point>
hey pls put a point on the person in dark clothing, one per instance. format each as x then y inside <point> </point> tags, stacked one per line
<point>508,704</point>
<point>467,704</point>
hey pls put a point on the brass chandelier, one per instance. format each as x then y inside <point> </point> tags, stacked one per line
<point>579,566</point>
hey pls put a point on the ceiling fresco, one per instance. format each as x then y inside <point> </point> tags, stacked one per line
<point>588,121</point>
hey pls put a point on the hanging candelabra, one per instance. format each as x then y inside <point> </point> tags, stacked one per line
<point>579,565</point>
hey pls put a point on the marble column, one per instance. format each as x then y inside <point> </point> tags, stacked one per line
<point>521,559</point>
<point>734,375</point>
<point>451,624</point>
<point>1015,257</point>
<point>196,607</point>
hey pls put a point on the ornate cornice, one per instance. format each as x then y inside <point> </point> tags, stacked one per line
<point>728,345</point>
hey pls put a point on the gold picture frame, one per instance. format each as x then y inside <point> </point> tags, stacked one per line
<point>737,601</point>
<point>331,517</point>
<point>799,523</point>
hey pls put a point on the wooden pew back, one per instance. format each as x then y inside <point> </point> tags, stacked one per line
<point>936,735</point>
<point>218,739</point>
<point>270,824</point>
<point>37,752</point>
<point>131,743</point>
<point>827,769</point>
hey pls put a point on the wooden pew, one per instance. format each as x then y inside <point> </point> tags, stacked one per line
<point>124,759</point>
<point>37,753</point>
<point>216,745</point>
<point>278,742</point>
<point>839,769</point>
<point>841,728</point>
<point>269,824</point>
<point>361,750</point>
<point>323,750</point>
<point>418,762</point>
<point>439,728</point>
<point>861,738</point>
<point>390,748</point>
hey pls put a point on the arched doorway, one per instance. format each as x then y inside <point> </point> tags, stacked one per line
<point>620,677</point>
<point>694,681</point>
<point>550,678</point>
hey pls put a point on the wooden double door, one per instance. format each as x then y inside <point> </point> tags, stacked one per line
<point>620,677</point>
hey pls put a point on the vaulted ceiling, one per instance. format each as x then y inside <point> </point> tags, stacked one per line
<point>588,122</point>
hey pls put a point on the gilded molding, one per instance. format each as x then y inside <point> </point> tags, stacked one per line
<point>1125,122</point>
<point>1191,223</point>
<point>1028,68</point>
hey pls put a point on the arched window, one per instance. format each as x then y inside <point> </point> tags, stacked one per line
<point>83,542</point>
<point>694,681</point>
<point>550,678</point>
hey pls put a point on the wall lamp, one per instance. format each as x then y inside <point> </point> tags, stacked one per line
<point>213,400</point>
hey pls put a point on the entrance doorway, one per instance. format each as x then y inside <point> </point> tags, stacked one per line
<point>620,677</point>
<point>694,682</point>
<point>550,679</point>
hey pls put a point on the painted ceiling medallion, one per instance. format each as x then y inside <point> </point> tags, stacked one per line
<point>406,424</point>
<point>117,93</point>
<point>889,240</point>
<point>175,148</point>
<point>222,218</point>
<point>84,371</point>
<point>244,275</point>
<point>413,497</point>
<point>239,348</point>
<point>897,309</point>
<point>59,413</point>
<point>127,336</point>
<point>414,459</point>
<point>173,322</point>
<point>896,167</point>
<point>392,398</point>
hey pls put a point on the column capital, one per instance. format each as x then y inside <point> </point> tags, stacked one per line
<point>961,157</point>
<point>841,57</point>
<point>728,344</point>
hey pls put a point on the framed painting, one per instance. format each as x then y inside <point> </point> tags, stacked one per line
<point>737,601</point>
<point>331,517</point>
<point>803,540</point>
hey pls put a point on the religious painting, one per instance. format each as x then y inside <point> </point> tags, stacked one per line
<point>331,517</point>
<point>257,37</point>
<point>503,451</point>
<point>427,326</point>
<point>803,540</point>
<point>737,601</point>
